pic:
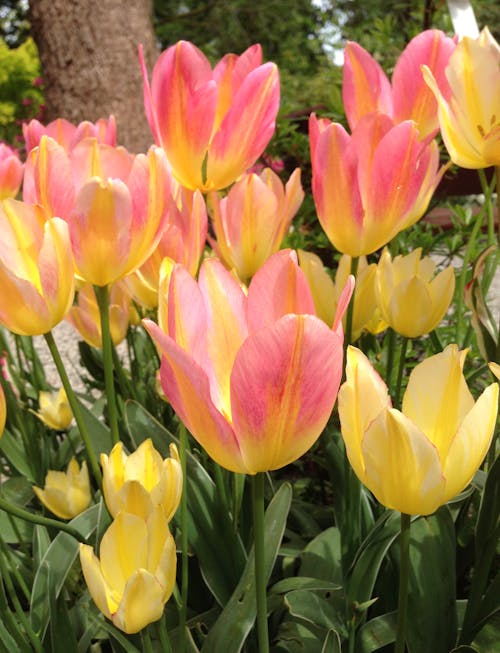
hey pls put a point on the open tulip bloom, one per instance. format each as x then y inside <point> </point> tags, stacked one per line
<point>253,377</point>
<point>417,458</point>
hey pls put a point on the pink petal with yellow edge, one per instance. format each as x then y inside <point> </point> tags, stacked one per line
<point>362,398</point>
<point>365,87</point>
<point>335,187</point>
<point>278,288</point>
<point>56,268</point>
<point>98,588</point>
<point>100,231</point>
<point>187,388</point>
<point>278,407</point>
<point>437,397</point>
<point>226,311</point>
<point>402,466</point>
<point>294,196</point>
<point>413,99</point>
<point>471,443</point>
<point>366,136</point>
<point>48,179</point>
<point>148,99</point>
<point>342,304</point>
<point>246,128</point>
<point>141,604</point>
<point>89,158</point>
<point>184,98</point>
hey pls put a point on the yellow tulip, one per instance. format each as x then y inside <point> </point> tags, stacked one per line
<point>320,284</point>
<point>135,575</point>
<point>495,369</point>
<point>142,481</point>
<point>54,410</point>
<point>469,104</point>
<point>416,459</point>
<point>409,299</point>
<point>66,494</point>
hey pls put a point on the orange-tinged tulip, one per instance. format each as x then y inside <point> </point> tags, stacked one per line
<point>411,300</point>
<point>416,459</point>
<point>470,118</point>
<point>66,494</point>
<point>135,575</point>
<point>36,269</point>
<point>84,316</point>
<point>213,124</point>
<point>252,220</point>
<point>55,410</point>
<point>69,135</point>
<point>366,89</point>
<point>370,186</point>
<point>11,171</point>
<point>242,371</point>
<point>141,481</point>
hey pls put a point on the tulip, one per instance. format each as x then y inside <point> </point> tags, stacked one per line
<point>66,494</point>
<point>241,371</point>
<point>370,186</point>
<point>141,481</point>
<point>11,171</point>
<point>416,459</point>
<point>251,222</point>
<point>366,89</point>
<point>36,269</point>
<point>135,575</point>
<point>320,284</point>
<point>410,300</point>
<point>55,410</point>
<point>212,124</point>
<point>69,135</point>
<point>470,118</point>
<point>84,316</point>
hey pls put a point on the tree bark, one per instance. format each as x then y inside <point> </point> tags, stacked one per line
<point>88,52</point>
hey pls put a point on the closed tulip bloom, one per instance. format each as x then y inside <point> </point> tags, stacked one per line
<point>66,494</point>
<point>11,171</point>
<point>416,459</point>
<point>69,135</point>
<point>470,118</point>
<point>370,186</point>
<point>135,575</point>
<point>366,88</point>
<point>242,371</point>
<point>252,220</point>
<point>36,269</point>
<point>55,410</point>
<point>141,481</point>
<point>84,315</point>
<point>212,124</point>
<point>411,300</point>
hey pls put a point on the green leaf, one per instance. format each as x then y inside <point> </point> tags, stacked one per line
<point>322,557</point>
<point>316,607</point>
<point>432,618</point>
<point>16,455</point>
<point>237,618</point>
<point>210,530</point>
<point>486,641</point>
<point>303,583</point>
<point>376,633</point>
<point>332,643</point>
<point>99,434</point>
<point>55,565</point>
<point>41,542</point>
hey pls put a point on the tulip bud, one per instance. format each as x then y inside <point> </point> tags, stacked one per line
<point>66,494</point>
<point>55,410</point>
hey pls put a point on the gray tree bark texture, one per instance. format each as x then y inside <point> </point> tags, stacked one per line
<point>90,67</point>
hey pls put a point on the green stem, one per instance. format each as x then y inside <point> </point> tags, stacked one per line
<point>350,307</point>
<point>184,542</point>
<point>497,175</point>
<point>40,519</point>
<point>102,296</point>
<point>259,548</point>
<point>75,407</point>
<point>147,645</point>
<point>402,361</point>
<point>391,344</point>
<point>404,569</point>
<point>166,646</point>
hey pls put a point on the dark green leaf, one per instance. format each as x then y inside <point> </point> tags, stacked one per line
<point>376,633</point>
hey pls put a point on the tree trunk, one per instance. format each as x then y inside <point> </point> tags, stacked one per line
<point>88,52</point>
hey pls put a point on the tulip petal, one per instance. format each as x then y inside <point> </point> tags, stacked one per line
<point>98,588</point>
<point>133,498</point>
<point>402,466</point>
<point>278,407</point>
<point>142,602</point>
<point>471,443</point>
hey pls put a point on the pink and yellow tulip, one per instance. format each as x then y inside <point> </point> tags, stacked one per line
<point>416,459</point>
<point>66,494</point>
<point>366,88</point>
<point>252,220</point>
<point>36,269</point>
<point>11,171</point>
<point>370,186</point>
<point>213,124</point>
<point>242,371</point>
<point>470,118</point>
<point>69,135</point>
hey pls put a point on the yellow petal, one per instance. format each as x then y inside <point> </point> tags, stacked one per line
<point>141,603</point>
<point>133,498</point>
<point>144,465</point>
<point>99,591</point>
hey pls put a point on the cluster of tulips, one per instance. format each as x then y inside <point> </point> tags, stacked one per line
<point>253,339</point>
